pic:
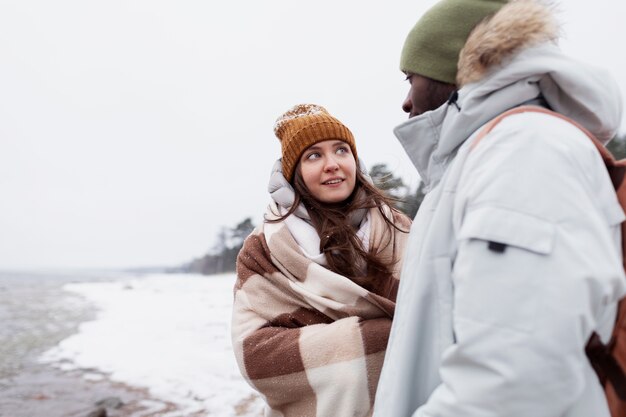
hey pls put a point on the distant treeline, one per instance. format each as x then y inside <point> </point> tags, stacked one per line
<point>222,257</point>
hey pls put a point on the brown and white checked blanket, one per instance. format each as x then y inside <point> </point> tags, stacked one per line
<point>311,341</point>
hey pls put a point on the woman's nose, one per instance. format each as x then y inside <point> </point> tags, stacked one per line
<point>331,164</point>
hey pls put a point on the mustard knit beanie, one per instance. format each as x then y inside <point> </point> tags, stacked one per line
<point>304,125</point>
<point>432,47</point>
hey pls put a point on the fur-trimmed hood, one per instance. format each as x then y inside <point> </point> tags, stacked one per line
<point>520,25</point>
<point>510,60</point>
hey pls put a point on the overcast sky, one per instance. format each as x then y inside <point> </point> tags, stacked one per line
<point>131,131</point>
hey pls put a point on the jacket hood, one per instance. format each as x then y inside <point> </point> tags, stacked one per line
<point>510,60</point>
<point>282,192</point>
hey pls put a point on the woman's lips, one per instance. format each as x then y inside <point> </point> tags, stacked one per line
<point>333,182</point>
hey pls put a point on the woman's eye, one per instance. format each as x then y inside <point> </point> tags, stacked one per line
<point>342,149</point>
<point>313,155</point>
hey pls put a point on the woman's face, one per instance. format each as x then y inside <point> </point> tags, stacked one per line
<point>328,169</point>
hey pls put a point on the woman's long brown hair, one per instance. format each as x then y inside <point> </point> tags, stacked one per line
<point>344,250</point>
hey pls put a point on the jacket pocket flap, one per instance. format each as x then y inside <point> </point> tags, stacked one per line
<point>508,227</point>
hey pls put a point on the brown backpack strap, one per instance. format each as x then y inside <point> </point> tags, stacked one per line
<point>605,359</point>
<point>605,364</point>
<point>536,109</point>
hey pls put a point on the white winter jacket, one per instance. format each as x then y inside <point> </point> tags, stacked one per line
<point>514,256</point>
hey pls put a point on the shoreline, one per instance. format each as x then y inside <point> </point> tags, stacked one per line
<point>31,388</point>
<point>70,344</point>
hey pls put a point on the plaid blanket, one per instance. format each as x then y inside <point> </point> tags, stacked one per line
<point>311,341</point>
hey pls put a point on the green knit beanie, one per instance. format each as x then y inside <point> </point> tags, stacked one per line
<point>432,47</point>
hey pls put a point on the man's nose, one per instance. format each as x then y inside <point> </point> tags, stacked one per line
<point>407,105</point>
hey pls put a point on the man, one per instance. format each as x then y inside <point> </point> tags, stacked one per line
<point>514,256</point>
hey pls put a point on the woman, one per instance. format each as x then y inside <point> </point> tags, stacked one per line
<point>317,282</point>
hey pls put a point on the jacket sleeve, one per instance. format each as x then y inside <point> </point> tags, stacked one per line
<point>537,270</point>
<point>295,355</point>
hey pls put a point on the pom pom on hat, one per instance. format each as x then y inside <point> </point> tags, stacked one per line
<point>305,125</point>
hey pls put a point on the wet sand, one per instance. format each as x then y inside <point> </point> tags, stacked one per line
<point>42,391</point>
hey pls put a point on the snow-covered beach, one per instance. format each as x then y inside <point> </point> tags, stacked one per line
<point>166,333</point>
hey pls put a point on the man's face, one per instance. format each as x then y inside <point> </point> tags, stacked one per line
<point>425,94</point>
